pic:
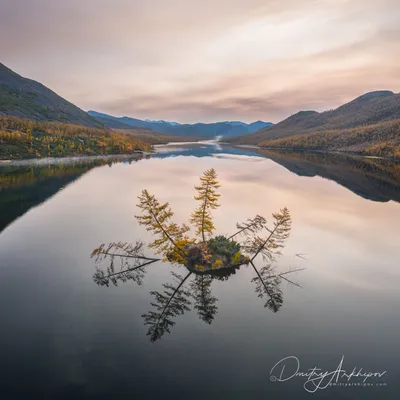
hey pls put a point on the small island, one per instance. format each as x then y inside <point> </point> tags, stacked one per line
<point>205,252</point>
<point>204,256</point>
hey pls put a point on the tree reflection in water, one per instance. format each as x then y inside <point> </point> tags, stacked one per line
<point>204,259</point>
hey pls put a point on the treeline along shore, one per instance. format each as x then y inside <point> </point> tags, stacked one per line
<point>22,138</point>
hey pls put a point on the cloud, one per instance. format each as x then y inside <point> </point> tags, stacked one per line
<point>274,90</point>
<point>209,59</point>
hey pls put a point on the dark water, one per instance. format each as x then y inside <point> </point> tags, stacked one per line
<point>63,336</point>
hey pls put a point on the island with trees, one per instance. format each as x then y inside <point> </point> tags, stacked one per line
<point>204,256</point>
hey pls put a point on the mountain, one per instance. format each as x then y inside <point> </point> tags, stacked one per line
<point>127,122</point>
<point>256,126</point>
<point>381,139</point>
<point>223,130</point>
<point>114,124</point>
<point>163,122</point>
<point>200,130</point>
<point>25,98</point>
<point>368,109</point>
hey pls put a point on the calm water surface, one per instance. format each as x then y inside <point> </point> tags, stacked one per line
<point>63,336</point>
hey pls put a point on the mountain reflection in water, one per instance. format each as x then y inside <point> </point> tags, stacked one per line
<point>25,186</point>
<point>371,178</point>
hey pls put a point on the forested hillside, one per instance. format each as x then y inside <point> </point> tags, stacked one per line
<point>25,98</point>
<point>382,139</point>
<point>21,138</point>
<point>367,110</point>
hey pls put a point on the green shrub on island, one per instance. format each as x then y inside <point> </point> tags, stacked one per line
<point>203,257</point>
<point>224,246</point>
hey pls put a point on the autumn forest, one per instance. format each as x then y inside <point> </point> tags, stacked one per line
<point>22,138</point>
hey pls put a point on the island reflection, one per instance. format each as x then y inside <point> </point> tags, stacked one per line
<point>186,290</point>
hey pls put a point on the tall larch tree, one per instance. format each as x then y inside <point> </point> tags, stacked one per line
<point>208,196</point>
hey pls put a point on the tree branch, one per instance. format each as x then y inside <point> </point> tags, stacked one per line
<point>162,228</point>
<point>173,295</point>
<point>265,242</point>
<point>131,269</point>
<point>242,230</point>
<point>128,256</point>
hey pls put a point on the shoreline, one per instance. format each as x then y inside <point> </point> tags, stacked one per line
<point>331,152</point>
<point>141,154</point>
<point>75,158</point>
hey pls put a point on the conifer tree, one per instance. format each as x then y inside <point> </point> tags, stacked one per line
<point>201,217</point>
<point>274,243</point>
<point>157,219</point>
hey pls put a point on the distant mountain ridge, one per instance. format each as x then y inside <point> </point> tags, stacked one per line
<point>201,130</point>
<point>368,125</point>
<point>163,122</point>
<point>368,109</point>
<point>26,98</point>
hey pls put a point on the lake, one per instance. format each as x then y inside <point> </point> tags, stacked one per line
<point>65,337</point>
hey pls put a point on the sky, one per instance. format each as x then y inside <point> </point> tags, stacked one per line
<point>204,60</point>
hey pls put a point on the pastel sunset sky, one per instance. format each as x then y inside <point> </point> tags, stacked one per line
<point>204,60</point>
